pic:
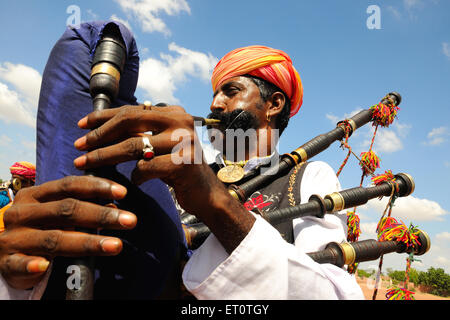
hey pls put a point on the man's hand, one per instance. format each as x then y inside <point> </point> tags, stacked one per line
<point>116,136</point>
<point>39,226</point>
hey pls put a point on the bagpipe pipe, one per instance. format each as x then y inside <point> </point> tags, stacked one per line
<point>345,253</point>
<point>338,254</point>
<point>107,65</point>
<point>309,149</point>
<point>302,154</point>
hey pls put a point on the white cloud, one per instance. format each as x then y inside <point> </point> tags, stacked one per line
<point>443,236</point>
<point>409,4</point>
<point>12,109</point>
<point>437,136</point>
<point>335,119</point>
<point>368,230</point>
<point>387,141</point>
<point>410,209</point>
<point>394,12</point>
<point>159,78</point>
<point>25,79</point>
<point>446,49</point>
<point>19,105</point>
<point>147,12</point>
<point>124,22</point>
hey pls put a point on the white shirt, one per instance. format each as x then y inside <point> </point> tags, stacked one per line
<point>265,266</point>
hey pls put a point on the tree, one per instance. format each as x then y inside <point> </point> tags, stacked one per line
<point>437,279</point>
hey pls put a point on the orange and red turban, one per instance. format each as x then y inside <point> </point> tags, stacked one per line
<point>24,169</point>
<point>272,65</point>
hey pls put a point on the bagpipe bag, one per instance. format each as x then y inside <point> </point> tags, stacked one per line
<point>150,251</point>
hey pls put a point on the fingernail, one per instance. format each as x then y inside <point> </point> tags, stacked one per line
<point>37,266</point>
<point>127,220</point>
<point>83,122</point>
<point>80,161</point>
<point>80,144</point>
<point>118,191</point>
<point>110,245</point>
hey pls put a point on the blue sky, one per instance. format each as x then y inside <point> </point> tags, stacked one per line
<point>345,66</point>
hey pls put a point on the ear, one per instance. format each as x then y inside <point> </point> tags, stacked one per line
<point>277,102</point>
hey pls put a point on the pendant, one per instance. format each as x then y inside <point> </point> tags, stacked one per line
<point>231,174</point>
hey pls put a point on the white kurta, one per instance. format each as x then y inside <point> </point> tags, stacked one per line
<point>265,266</point>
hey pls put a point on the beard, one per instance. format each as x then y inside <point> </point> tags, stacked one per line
<point>234,126</point>
<point>236,119</point>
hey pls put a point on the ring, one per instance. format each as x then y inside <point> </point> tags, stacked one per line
<point>147,105</point>
<point>147,151</point>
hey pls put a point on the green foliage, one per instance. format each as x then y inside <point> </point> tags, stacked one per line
<point>435,278</point>
<point>365,274</point>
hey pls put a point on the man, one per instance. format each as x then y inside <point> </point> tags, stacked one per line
<point>240,240</point>
<point>246,258</point>
<point>23,175</point>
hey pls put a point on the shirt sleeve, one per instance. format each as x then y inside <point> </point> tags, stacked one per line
<point>265,266</point>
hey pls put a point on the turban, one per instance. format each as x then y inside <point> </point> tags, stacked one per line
<point>272,65</point>
<point>24,169</point>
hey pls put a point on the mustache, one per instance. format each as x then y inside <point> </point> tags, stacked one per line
<point>236,119</point>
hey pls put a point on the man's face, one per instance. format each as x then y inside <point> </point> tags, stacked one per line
<point>238,104</point>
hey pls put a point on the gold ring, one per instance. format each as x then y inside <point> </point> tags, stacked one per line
<point>147,105</point>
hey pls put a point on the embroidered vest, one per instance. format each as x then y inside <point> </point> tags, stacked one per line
<point>281,193</point>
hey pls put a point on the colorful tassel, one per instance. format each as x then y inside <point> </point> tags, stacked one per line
<point>383,115</point>
<point>353,230</point>
<point>369,162</point>
<point>395,293</point>
<point>386,176</point>
<point>389,229</point>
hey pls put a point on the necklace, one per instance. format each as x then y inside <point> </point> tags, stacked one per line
<point>232,172</point>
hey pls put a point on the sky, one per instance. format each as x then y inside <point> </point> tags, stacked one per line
<point>349,54</point>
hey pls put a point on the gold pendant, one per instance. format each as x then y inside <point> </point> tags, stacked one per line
<point>231,174</point>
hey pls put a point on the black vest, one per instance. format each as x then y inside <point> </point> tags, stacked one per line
<point>283,192</point>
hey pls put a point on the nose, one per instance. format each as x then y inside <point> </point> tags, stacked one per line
<point>218,103</point>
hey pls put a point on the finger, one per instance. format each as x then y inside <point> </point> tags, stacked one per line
<point>130,149</point>
<point>20,264</point>
<point>129,121</point>
<point>159,167</point>
<point>125,123</point>
<point>69,213</point>
<point>50,243</point>
<point>22,271</point>
<point>97,118</point>
<point>80,187</point>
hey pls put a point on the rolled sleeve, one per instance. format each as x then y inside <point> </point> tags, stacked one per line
<point>264,266</point>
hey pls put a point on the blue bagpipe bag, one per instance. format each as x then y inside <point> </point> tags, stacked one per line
<point>148,261</point>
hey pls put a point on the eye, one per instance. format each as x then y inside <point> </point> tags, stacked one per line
<point>231,91</point>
